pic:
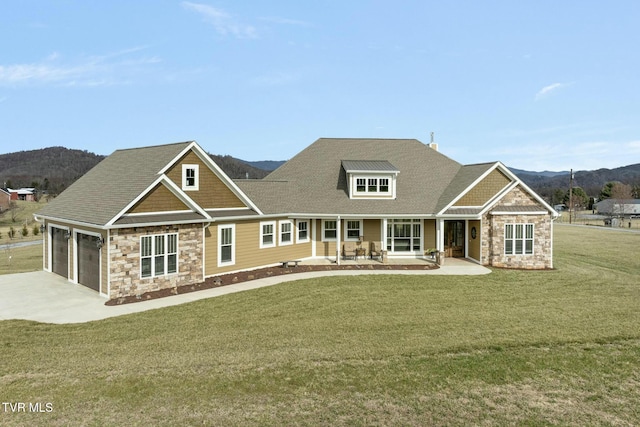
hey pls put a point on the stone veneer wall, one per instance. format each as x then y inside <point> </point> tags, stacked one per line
<point>493,235</point>
<point>124,250</point>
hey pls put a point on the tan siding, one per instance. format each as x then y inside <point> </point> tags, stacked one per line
<point>248,254</point>
<point>213,192</point>
<point>323,249</point>
<point>484,190</point>
<point>371,230</point>
<point>474,244</point>
<point>160,199</point>
<point>429,234</point>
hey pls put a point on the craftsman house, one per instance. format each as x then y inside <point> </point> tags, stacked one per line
<point>159,217</point>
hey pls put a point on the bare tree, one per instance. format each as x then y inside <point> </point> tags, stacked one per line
<point>620,195</point>
<point>14,210</point>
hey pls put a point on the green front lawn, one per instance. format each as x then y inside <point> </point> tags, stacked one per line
<point>555,347</point>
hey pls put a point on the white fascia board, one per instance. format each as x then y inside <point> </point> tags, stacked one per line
<point>535,195</point>
<point>55,219</point>
<point>466,190</point>
<point>498,197</point>
<point>460,216</point>
<point>176,158</point>
<point>223,176</point>
<point>172,187</point>
<point>180,194</point>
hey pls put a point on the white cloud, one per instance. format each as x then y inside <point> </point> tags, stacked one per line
<point>223,23</point>
<point>547,90</point>
<point>98,70</point>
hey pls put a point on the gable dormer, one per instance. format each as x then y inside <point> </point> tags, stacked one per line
<point>370,179</point>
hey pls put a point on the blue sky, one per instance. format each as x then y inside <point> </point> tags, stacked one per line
<point>538,85</point>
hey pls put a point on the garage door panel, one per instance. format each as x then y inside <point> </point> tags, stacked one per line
<point>59,252</point>
<point>89,261</point>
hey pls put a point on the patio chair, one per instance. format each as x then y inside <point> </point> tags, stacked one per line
<point>376,251</point>
<point>349,250</point>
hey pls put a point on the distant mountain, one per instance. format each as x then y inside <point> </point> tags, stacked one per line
<point>55,168</point>
<point>239,169</point>
<point>267,165</point>
<point>51,169</point>
<point>520,172</point>
<point>590,181</point>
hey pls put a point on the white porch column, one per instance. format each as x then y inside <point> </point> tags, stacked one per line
<point>383,233</point>
<point>440,235</point>
<point>338,240</point>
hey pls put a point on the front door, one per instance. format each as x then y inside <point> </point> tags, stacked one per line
<point>454,239</point>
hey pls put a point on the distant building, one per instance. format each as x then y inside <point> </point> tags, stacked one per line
<point>27,194</point>
<point>616,207</point>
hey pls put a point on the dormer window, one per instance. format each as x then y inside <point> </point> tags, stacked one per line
<point>190,181</point>
<point>370,179</point>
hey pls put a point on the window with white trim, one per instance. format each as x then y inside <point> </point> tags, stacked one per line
<point>404,235</point>
<point>353,230</point>
<point>286,232</point>
<point>518,239</point>
<point>190,177</point>
<point>372,186</point>
<point>158,255</point>
<point>226,245</point>
<point>267,234</point>
<point>303,231</point>
<point>329,230</point>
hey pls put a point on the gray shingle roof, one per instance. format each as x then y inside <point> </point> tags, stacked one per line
<point>466,175</point>
<point>314,181</point>
<point>102,193</point>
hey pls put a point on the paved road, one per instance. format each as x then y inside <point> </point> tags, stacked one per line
<point>19,244</point>
<point>596,227</point>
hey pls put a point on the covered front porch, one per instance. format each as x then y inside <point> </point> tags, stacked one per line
<point>402,240</point>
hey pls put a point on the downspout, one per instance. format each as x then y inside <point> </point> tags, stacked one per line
<point>204,248</point>
<point>43,230</point>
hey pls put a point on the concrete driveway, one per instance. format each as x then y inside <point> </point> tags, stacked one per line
<point>49,298</point>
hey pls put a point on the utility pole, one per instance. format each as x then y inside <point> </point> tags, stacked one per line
<point>570,196</point>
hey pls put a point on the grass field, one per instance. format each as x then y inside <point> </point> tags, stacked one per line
<point>557,347</point>
<point>15,259</point>
<point>23,216</point>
